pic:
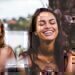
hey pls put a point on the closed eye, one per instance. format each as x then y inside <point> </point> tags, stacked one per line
<point>52,21</point>
<point>42,22</point>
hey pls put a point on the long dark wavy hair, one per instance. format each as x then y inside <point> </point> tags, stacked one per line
<point>34,41</point>
<point>2,33</point>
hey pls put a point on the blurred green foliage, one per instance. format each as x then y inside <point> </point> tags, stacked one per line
<point>21,23</point>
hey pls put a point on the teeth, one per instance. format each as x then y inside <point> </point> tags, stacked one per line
<point>48,32</point>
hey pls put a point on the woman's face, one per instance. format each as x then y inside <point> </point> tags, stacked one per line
<point>46,26</point>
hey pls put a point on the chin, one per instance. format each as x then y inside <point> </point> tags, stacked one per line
<point>49,39</point>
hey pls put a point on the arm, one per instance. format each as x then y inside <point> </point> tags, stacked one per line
<point>71,62</point>
<point>5,55</point>
<point>23,64</point>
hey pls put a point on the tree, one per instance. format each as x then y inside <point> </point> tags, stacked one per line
<point>21,24</point>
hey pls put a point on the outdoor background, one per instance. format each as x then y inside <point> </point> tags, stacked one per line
<point>17,14</point>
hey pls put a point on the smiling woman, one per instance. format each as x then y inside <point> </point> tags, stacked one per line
<point>45,55</point>
<point>46,27</point>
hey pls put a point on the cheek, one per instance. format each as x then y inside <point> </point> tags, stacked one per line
<point>56,34</point>
<point>56,31</point>
<point>39,29</point>
<point>56,28</point>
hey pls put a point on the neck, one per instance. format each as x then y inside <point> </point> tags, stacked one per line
<point>46,47</point>
<point>49,45</point>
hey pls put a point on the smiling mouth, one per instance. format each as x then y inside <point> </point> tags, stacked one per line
<point>48,33</point>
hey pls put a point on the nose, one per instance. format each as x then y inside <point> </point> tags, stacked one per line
<point>47,26</point>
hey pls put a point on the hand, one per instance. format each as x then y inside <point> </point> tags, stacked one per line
<point>71,61</point>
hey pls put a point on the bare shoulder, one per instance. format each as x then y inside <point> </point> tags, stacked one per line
<point>9,51</point>
<point>8,47</point>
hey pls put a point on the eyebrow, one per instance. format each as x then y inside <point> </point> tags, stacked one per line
<point>42,21</point>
